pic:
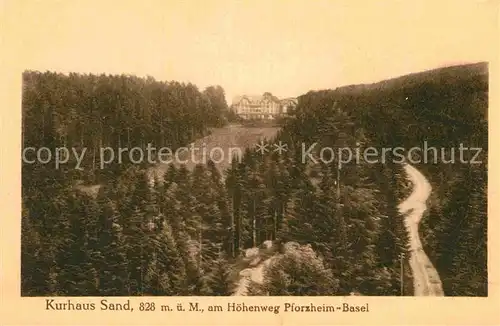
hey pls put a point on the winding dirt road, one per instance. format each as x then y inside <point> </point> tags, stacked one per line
<point>426,281</point>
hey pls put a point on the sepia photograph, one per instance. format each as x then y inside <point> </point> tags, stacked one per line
<point>254,148</point>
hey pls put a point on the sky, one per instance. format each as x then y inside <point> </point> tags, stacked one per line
<point>286,47</point>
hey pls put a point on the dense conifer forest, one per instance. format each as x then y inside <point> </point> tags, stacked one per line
<point>334,231</point>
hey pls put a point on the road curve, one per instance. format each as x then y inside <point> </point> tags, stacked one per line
<point>253,274</point>
<point>426,281</point>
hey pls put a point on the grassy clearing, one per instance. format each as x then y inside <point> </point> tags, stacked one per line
<point>228,140</point>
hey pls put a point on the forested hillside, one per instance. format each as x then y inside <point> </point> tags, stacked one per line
<point>71,243</point>
<point>448,109</point>
<point>186,235</point>
<point>444,107</point>
<point>117,111</point>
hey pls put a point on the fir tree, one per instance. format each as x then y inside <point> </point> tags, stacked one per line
<point>218,278</point>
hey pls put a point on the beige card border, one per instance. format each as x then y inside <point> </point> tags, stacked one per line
<point>382,310</point>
